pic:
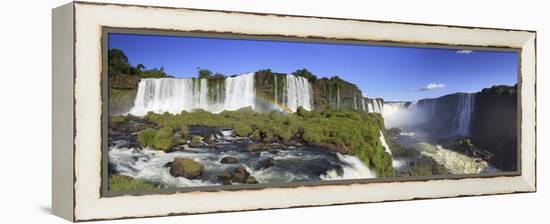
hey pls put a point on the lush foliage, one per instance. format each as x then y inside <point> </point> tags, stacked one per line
<point>336,93</point>
<point>146,137</point>
<point>120,182</point>
<point>161,139</point>
<point>354,133</point>
<point>500,90</point>
<point>117,119</point>
<point>123,75</point>
<point>306,74</point>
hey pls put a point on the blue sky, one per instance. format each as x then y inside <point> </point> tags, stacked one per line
<point>393,73</point>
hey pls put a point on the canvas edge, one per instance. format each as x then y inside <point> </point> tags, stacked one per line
<point>529,167</point>
<point>62,197</point>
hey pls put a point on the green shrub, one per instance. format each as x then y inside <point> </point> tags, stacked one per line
<point>242,129</point>
<point>312,135</point>
<point>163,139</point>
<point>117,119</point>
<point>195,140</point>
<point>146,137</point>
<point>120,182</point>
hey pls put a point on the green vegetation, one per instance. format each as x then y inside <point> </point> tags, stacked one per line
<point>306,74</point>
<point>120,182</point>
<point>425,166</point>
<point>242,130</point>
<point>161,139</point>
<point>124,76</point>
<point>117,119</point>
<point>336,93</point>
<point>500,90</point>
<point>146,137</point>
<point>355,133</point>
<point>195,140</point>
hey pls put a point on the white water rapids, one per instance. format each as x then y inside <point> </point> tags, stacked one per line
<point>303,163</point>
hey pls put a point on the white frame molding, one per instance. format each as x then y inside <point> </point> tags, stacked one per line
<point>81,140</point>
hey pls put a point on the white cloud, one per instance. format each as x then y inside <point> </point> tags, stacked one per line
<point>466,52</point>
<point>432,86</point>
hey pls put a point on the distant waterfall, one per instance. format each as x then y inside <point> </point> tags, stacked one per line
<point>174,95</point>
<point>298,93</point>
<point>375,105</point>
<point>464,113</point>
<point>391,108</point>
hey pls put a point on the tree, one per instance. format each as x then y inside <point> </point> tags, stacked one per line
<point>306,74</point>
<point>118,63</point>
<point>140,67</point>
<point>204,73</point>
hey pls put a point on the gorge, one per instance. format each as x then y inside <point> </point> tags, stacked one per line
<point>304,129</point>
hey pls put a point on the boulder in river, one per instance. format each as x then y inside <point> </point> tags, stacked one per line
<point>225,178</point>
<point>265,163</point>
<point>239,175</point>
<point>184,167</point>
<point>251,180</point>
<point>229,160</point>
<point>255,147</point>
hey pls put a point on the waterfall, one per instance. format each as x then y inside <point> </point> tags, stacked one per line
<point>391,108</point>
<point>338,97</point>
<point>363,104</point>
<point>464,113</point>
<point>299,93</point>
<point>375,105</point>
<point>275,89</point>
<point>239,92</point>
<point>384,143</point>
<point>174,95</point>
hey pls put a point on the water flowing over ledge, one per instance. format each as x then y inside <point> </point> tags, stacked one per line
<point>174,95</point>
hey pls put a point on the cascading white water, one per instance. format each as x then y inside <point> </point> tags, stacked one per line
<point>465,108</point>
<point>363,104</point>
<point>239,92</point>
<point>338,97</point>
<point>391,108</point>
<point>384,143</point>
<point>354,170</point>
<point>174,95</point>
<point>298,93</point>
<point>375,105</point>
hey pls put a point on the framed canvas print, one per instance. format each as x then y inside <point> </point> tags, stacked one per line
<point>164,111</point>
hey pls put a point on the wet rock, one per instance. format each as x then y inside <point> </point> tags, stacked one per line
<point>251,180</point>
<point>240,175</point>
<point>195,142</point>
<point>212,146</point>
<point>255,147</point>
<point>168,164</point>
<point>342,149</point>
<point>209,139</point>
<point>225,178</point>
<point>229,160</point>
<point>291,143</point>
<point>184,167</point>
<point>265,163</point>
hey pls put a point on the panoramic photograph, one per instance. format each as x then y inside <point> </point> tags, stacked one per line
<point>186,111</point>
